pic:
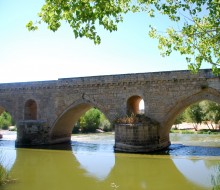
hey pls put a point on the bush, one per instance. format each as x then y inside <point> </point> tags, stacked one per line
<point>4,174</point>
<point>105,125</point>
<point>90,121</point>
<point>5,120</point>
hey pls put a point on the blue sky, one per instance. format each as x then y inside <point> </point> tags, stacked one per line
<point>45,55</point>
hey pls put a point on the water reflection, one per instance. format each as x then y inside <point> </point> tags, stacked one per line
<point>91,163</point>
<point>97,159</point>
<point>8,154</point>
<point>199,172</point>
<point>187,151</point>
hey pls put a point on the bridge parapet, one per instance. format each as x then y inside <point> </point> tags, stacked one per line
<point>122,79</point>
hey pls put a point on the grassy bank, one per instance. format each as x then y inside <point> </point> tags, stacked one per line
<point>191,131</point>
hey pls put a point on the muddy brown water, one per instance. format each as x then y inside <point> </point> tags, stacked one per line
<point>89,163</point>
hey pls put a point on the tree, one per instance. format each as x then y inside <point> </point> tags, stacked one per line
<point>194,115</point>
<point>105,125</point>
<point>197,36</point>
<point>5,120</point>
<point>180,118</point>
<point>205,111</point>
<point>90,121</point>
<point>211,112</point>
<point>198,33</point>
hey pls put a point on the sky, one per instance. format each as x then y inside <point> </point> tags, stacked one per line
<point>45,55</point>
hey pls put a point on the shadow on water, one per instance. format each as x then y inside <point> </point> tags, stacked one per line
<point>61,146</point>
<point>189,151</point>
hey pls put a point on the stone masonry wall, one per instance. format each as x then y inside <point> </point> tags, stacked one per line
<point>162,92</point>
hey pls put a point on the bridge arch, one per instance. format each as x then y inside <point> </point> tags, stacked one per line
<point>62,128</point>
<point>206,94</point>
<point>133,104</point>
<point>30,110</point>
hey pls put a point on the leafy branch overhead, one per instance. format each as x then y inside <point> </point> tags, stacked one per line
<point>196,34</point>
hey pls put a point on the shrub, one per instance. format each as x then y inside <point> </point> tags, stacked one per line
<point>4,174</point>
<point>5,120</point>
<point>90,121</point>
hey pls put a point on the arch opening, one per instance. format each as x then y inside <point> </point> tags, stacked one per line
<point>92,121</point>
<point>135,105</point>
<point>200,116</point>
<point>169,119</point>
<point>30,110</point>
<point>77,119</point>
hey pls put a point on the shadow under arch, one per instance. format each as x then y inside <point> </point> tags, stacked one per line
<point>62,128</point>
<point>206,94</point>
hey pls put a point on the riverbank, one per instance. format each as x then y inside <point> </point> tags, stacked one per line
<point>189,128</point>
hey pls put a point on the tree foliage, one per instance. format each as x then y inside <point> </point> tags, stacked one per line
<point>5,120</point>
<point>198,33</point>
<point>82,16</point>
<point>207,112</point>
<point>194,114</point>
<point>197,36</point>
<point>92,120</point>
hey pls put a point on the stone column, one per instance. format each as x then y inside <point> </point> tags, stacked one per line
<point>138,138</point>
<point>31,132</point>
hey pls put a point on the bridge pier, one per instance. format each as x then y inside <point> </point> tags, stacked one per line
<point>31,132</point>
<point>139,138</point>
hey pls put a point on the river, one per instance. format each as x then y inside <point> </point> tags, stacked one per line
<point>89,163</point>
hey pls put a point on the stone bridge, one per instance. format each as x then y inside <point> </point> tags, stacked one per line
<point>45,112</point>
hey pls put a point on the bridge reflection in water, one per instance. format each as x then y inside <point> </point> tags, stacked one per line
<point>83,166</point>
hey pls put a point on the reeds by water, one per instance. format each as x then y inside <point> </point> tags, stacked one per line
<point>4,174</point>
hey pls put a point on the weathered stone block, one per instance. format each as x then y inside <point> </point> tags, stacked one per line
<point>31,132</point>
<point>136,138</point>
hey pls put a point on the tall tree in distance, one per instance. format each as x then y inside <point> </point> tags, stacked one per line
<point>197,36</point>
